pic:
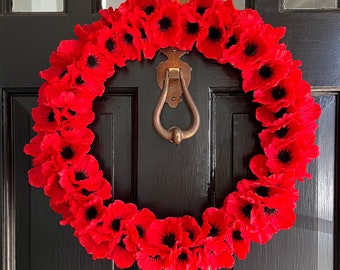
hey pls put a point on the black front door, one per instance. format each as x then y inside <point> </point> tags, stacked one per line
<point>172,180</point>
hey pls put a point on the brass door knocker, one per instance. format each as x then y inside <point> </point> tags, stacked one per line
<point>173,77</point>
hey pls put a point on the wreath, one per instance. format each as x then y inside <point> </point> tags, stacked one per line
<point>71,177</point>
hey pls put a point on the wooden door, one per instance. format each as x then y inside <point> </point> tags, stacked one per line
<point>145,169</point>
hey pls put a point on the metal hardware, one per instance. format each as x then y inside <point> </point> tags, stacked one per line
<point>174,82</point>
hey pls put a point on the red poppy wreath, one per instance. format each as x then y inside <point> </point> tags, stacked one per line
<point>71,177</point>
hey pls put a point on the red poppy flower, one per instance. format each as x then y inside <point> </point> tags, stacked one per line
<point>87,32</point>
<point>94,63</point>
<point>261,189</point>
<point>83,86</point>
<point>269,71</point>
<point>241,240</point>
<point>190,24</point>
<point>87,213</point>
<point>123,254</point>
<point>258,166</point>
<point>219,255</point>
<point>69,146</point>
<point>66,54</point>
<point>286,130</point>
<point>108,43</point>
<point>36,178</point>
<point>138,226</point>
<point>165,234</point>
<point>284,93</point>
<point>152,259</point>
<point>215,225</point>
<point>286,155</point>
<point>252,45</point>
<point>164,25</point>
<point>54,190</point>
<point>146,7</point>
<point>309,110</point>
<point>192,232</point>
<point>129,41</point>
<point>183,259</point>
<point>98,250</point>
<point>211,39</point>
<point>110,16</point>
<point>148,46</point>
<point>243,208</point>
<point>44,118</point>
<point>275,118</point>
<point>34,148</point>
<point>116,218</point>
<point>202,6</point>
<point>279,211</point>
<point>73,111</point>
<point>84,179</point>
<point>49,91</point>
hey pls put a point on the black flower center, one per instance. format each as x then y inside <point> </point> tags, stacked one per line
<point>183,257</point>
<point>269,211</point>
<point>192,28</point>
<point>251,49</point>
<point>91,213</point>
<point>50,117</point>
<point>62,74</point>
<point>284,156</point>
<point>79,80</point>
<point>265,71</point>
<point>282,132</point>
<point>128,38</point>
<point>214,231</point>
<point>85,192</point>
<point>67,152</point>
<point>140,230</point>
<point>110,45</point>
<point>246,210</point>
<point>81,175</point>
<point>262,191</point>
<point>71,112</point>
<point>142,33</point>
<point>237,235</point>
<point>278,92</point>
<point>148,9</point>
<point>164,23</point>
<point>280,113</point>
<point>201,10</point>
<point>121,243</point>
<point>214,34</point>
<point>155,258</point>
<point>116,224</point>
<point>92,61</point>
<point>191,234</point>
<point>169,240</point>
<point>231,42</point>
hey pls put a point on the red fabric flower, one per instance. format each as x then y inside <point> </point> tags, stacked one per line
<point>123,254</point>
<point>241,240</point>
<point>152,259</point>
<point>211,39</point>
<point>192,232</point>
<point>66,54</point>
<point>165,234</point>
<point>44,118</point>
<point>215,225</point>
<point>267,72</point>
<point>183,259</point>
<point>164,26</point>
<point>94,63</point>
<point>190,23</point>
<point>258,166</point>
<point>116,218</point>
<point>139,225</point>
